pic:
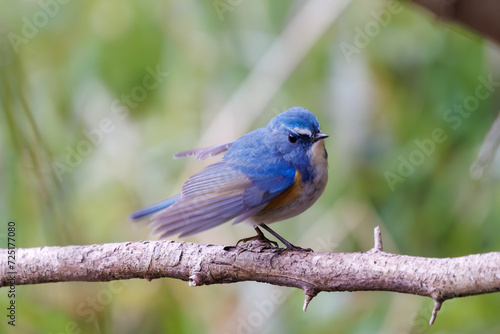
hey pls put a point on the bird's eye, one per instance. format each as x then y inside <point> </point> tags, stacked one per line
<point>292,139</point>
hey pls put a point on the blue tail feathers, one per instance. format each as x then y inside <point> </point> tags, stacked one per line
<point>153,208</point>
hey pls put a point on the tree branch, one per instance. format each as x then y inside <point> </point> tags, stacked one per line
<point>481,16</point>
<point>440,279</point>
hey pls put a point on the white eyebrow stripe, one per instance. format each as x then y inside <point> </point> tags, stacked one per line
<point>302,131</point>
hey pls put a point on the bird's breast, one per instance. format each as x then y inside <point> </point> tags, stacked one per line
<point>319,164</point>
<point>289,195</point>
<point>302,193</point>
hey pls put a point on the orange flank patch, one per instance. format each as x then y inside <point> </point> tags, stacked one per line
<point>288,195</point>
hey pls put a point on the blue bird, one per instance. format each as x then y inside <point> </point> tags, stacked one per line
<point>268,175</point>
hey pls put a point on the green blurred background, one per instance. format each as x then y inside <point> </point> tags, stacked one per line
<point>97,96</point>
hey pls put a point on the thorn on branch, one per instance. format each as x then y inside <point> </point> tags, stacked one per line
<point>377,236</point>
<point>310,293</point>
<point>437,307</point>
<point>196,279</point>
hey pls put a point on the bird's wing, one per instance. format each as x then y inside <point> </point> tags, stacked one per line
<point>204,153</point>
<point>215,195</point>
<point>141,213</point>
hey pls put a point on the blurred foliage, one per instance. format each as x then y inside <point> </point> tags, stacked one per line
<point>97,96</point>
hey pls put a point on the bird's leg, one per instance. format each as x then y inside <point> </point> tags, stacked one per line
<point>260,236</point>
<point>288,245</point>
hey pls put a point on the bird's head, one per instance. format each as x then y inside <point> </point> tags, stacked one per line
<point>297,135</point>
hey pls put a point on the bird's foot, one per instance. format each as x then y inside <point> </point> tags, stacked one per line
<point>260,237</point>
<point>289,247</point>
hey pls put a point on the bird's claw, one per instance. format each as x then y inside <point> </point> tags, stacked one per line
<point>289,247</point>
<point>259,237</point>
<point>297,248</point>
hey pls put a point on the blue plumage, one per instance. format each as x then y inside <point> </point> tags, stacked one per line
<point>270,174</point>
<point>154,208</point>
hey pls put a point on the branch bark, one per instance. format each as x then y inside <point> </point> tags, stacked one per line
<point>375,270</point>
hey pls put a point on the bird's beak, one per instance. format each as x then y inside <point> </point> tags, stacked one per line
<point>319,136</point>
